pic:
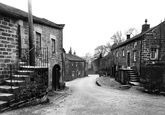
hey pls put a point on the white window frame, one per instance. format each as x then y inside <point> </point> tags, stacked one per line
<point>134,55</point>
<point>72,73</point>
<point>123,52</point>
<point>135,44</point>
<point>76,64</point>
<point>156,54</point>
<point>117,54</point>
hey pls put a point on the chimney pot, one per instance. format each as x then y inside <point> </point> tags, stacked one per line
<point>145,26</point>
<point>145,21</point>
<point>128,36</point>
<point>74,53</point>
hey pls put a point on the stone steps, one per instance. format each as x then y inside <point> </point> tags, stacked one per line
<point>3,104</point>
<point>18,82</point>
<point>32,67</point>
<point>134,83</point>
<point>24,72</point>
<point>15,82</point>
<point>25,78</point>
<point>134,78</point>
<point>6,96</point>
<point>9,89</point>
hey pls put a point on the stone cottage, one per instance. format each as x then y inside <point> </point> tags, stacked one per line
<point>14,45</point>
<point>75,67</point>
<point>148,47</point>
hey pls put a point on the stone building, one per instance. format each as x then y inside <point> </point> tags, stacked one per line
<point>75,67</point>
<point>148,47</point>
<point>14,44</point>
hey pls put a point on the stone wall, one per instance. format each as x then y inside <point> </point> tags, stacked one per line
<point>156,39</point>
<point>120,59</point>
<point>47,34</point>
<point>36,86</point>
<point>74,70</point>
<point>153,38</point>
<point>8,44</point>
<point>14,36</point>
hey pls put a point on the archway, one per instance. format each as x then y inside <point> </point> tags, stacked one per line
<point>56,77</point>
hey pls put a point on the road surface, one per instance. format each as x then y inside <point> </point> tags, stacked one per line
<point>86,98</point>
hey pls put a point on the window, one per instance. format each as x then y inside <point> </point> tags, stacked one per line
<point>72,63</point>
<point>135,44</point>
<point>76,64</point>
<point>116,54</point>
<point>154,53</point>
<point>134,55</point>
<point>53,45</point>
<point>123,53</point>
<point>38,40</point>
<point>72,73</point>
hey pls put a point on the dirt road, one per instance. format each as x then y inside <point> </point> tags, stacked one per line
<point>86,98</point>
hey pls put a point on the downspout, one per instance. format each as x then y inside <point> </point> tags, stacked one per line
<point>31,41</point>
<point>62,56</point>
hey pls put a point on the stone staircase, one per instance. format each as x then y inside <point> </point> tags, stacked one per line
<point>11,87</point>
<point>134,79</point>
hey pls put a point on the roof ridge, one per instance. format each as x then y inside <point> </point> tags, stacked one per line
<point>74,57</point>
<point>18,13</point>
<point>134,37</point>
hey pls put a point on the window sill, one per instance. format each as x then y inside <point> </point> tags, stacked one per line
<point>153,59</point>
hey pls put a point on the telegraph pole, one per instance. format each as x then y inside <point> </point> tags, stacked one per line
<point>31,45</point>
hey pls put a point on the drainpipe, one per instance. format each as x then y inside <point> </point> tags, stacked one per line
<point>62,57</point>
<point>31,45</point>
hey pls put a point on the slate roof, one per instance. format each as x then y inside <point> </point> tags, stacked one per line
<point>17,13</point>
<point>72,57</point>
<point>133,38</point>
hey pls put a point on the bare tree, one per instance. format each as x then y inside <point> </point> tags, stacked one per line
<point>117,37</point>
<point>100,50</point>
<point>132,31</point>
<point>108,47</point>
<point>89,58</point>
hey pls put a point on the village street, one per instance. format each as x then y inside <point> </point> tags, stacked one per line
<point>86,98</point>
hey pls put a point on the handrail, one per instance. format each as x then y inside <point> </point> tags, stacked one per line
<point>31,49</point>
<point>41,56</point>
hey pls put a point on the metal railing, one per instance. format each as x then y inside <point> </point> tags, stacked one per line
<point>41,57</point>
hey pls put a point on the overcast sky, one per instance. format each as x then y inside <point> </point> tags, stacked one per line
<point>90,23</point>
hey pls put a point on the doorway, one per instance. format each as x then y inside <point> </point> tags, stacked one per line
<point>128,59</point>
<point>56,77</point>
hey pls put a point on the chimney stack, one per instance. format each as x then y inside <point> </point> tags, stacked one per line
<point>70,51</point>
<point>145,26</point>
<point>128,36</point>
<point>74,53</point>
